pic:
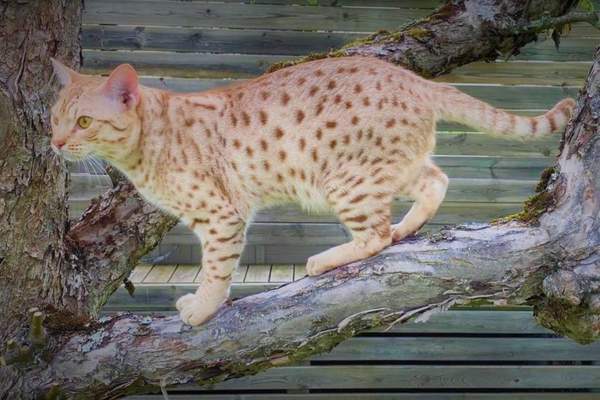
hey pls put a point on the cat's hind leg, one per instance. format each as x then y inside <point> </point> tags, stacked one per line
<point>428,193</point>
<point>364,208</point>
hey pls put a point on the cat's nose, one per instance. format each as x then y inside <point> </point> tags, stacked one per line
<point>58,143</point>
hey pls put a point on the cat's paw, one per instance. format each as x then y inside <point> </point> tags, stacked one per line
<point>193,310</point>
<point>317,265</point>
<point>184,300</point>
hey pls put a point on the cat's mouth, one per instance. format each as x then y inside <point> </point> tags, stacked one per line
<point>68,155</point>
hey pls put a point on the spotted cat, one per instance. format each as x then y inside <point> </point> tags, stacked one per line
<point>344,134</point>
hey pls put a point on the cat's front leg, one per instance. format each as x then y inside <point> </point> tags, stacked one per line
<point>222,245</point>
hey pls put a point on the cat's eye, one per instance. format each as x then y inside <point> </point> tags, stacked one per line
<point>84,121</point>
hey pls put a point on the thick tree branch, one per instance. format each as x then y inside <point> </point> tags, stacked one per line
<point>458,33</point>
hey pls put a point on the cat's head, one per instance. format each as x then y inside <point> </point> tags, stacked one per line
<point>95,115</point>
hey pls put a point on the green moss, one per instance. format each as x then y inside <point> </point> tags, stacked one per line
<point>419,33</point>
<point>576,322</point>
<point>381,36</point>
<point>54,394</point>
<point>285,64</point>
<point>537,204</point>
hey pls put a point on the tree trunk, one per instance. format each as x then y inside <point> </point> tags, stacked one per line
<point>33,181</point>
<point>546,259</point>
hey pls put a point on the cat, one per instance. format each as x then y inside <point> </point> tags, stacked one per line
<point>346,134</point>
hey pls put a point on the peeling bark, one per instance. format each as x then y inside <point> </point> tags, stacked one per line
<point>67,272</point>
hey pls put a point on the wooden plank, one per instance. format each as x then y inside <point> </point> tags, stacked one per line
<point>258,274</point>
<point>418,377</point>
<point>193,65</point>
<point>475,322</point>
<point>246,16</point>
<point>426,4</point>
<point>162,297</point>
<point>520,73</point>
<point>450,213</point>
<point>239,274</point>
<point>184,274</point>
<point>445,349</point>
<point>139,273</point>
<point>482,166</point>
<point>574,47</point>
<point>299,271</point>
<point>282,273</point>
<point>455,166</point>
<point>460,190</point>
<point>512,395</point>
<point>160,274</point>
<point>236,41</point>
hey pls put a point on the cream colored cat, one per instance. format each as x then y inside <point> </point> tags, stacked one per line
<point>347,134</point>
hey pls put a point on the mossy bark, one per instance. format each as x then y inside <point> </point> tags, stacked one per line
<point>457,33</point>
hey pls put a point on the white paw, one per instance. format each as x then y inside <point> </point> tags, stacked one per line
<point>193,310</point>
<point>184,300</point>
<point>316,265</point>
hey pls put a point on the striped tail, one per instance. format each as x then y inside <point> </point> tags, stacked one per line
<point>454,105</point>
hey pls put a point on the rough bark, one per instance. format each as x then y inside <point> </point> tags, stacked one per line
<point>460,32</point>
<point>33,182</point>
<point>549,261</point>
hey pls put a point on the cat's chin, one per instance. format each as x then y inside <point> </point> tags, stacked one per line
<point>70,156</point>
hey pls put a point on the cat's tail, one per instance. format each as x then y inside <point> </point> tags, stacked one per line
<point>454,105</point>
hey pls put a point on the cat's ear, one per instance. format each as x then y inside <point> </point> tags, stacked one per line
<point>122,86</point>
<point>64,74</point>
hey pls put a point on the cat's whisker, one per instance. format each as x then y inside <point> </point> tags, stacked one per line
<point>100,170</point>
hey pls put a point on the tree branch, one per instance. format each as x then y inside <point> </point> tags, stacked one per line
<point>547,22</point>
<point>456,34</point>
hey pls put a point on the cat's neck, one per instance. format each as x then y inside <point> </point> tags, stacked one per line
<point>161,114</point>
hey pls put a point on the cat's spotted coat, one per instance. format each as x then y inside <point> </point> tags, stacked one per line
<point>347,134</point>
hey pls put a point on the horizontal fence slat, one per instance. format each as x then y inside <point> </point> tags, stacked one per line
<point>418,377</point>
<point>513,395</point>
<point>256,41</point>
<point>194,65</point>
<point>520,73</point>
<point>432,349</point>
<point>247,16</point>
<point>84,187</point>
<point>426,4</point>
<point>474,322</point>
